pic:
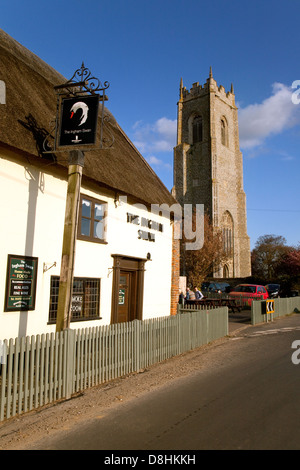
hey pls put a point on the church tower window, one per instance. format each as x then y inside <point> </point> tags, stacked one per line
<point>224,133</point>
<point>197,129</point>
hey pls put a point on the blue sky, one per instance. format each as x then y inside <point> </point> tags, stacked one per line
<point>144,47</point>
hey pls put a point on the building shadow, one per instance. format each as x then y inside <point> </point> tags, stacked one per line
<point>36,184</point>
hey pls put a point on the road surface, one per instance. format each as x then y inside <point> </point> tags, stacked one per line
<point>246,397</point>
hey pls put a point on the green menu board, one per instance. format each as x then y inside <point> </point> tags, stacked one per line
<point>121,296</point>
<point>20,283</point>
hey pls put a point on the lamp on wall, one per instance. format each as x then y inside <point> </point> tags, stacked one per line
<point>119,200</point>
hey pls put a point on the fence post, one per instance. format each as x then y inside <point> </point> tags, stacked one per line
<point>137,333</point>
<point>179,334</point>
<point>71,334</point>
<point>207,326</point>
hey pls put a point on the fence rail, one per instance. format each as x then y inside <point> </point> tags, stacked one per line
<point>282,306</point>
<point>42,369</point>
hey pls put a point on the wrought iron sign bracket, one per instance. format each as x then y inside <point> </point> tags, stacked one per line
<point>79,96</point>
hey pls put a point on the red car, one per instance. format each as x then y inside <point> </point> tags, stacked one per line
<point>248,292</point>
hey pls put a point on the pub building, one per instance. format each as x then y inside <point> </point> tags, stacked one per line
<point>126,258</point>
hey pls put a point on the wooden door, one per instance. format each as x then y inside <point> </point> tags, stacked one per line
<point>125,293</point>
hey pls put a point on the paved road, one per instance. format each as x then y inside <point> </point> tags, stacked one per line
<point>248,399</point>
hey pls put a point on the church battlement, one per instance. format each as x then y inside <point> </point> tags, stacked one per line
<point>195,91</point>
<point>210,86</point>
<point>227,96</point>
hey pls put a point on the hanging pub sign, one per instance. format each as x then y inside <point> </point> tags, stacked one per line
<point>20,283</point>
<point>78,122</point>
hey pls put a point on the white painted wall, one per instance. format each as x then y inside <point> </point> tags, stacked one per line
<point>32,210</point>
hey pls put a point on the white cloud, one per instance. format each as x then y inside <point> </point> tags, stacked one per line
<point>257,122</point>
<point>274,115</point>
<point>285,156</point>
<point>157,137</point>
<point>154,161</point>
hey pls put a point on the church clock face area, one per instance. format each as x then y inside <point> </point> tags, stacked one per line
<point>208,167</point>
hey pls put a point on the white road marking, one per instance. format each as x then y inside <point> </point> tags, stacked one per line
<point>275,331</point>
<point>267,332</point>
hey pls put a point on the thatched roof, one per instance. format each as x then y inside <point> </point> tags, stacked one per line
<point>31,105</point>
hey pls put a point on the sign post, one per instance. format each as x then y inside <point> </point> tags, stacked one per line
<point>75,130</point>
<point>69,240</point>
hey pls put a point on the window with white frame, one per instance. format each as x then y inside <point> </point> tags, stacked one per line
<point>91,223</point>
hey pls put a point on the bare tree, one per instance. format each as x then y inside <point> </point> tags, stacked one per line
<point>198,264</point>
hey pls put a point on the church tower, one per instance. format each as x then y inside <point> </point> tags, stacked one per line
<point>208,167</point>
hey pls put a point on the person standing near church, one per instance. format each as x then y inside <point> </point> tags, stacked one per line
<point>198,294</point>
<point>190,295</point>
<point>187,295</point>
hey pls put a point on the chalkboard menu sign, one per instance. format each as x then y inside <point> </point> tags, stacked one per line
<point>20,283</point>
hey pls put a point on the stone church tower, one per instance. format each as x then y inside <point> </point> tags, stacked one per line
<point>208,168</point>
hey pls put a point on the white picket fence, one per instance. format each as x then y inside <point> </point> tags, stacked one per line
<point>42,369</point>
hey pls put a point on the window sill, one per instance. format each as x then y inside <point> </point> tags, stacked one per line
<point>92,240</point>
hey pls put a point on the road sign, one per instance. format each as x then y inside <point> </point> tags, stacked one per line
<point>270,307</point>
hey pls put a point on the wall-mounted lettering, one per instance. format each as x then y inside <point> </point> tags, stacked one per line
<point>133,219</point>
<point>147,223</point>
<point>151,224</point>
<point>142,235</point>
